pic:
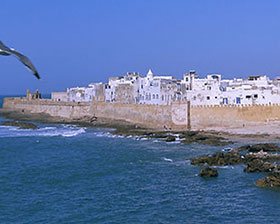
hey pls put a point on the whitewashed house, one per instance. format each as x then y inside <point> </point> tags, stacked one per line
<point>94,91</point>
<point>132,88</point>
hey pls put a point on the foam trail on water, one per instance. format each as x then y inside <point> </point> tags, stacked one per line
<point>167,159</point>
<point>64,131</point>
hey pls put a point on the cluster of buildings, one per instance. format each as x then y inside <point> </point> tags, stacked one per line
<point>134,88</point>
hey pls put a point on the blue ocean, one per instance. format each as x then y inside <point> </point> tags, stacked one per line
<point>69,174</point>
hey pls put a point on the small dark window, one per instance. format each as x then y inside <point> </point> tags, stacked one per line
<point>208,97</point>
<point>256,96</point>
<point>248,97</point>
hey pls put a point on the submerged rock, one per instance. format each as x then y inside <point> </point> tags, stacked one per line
<point>272,180</point>
<point>208,172</point>
<point>21,125</point>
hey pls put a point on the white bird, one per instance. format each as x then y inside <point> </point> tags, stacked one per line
<point>6,51</point>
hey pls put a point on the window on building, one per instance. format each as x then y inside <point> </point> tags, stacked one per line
<point>208,97</point>
<point>153,96</point>
<point>248,97</point>
<point>225,100</point>
<point>255,96</point>
<point>238,100</point>
<point>208,87</point>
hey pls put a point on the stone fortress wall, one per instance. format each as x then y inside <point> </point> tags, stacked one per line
<point>177,116</point>
<point>53,108</point>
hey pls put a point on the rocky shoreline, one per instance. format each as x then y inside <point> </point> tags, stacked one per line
<point>256,158</point>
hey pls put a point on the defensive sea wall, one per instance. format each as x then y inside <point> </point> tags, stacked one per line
<point>70,110</point>
<point>233,116</point>
<point>176,116</point>
<point>154,116</point>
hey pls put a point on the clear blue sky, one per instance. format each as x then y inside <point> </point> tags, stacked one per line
<point>73,43</point>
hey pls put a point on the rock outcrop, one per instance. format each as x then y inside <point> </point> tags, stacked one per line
<point>272,180</point>
<point>203,138</point>
<point>265,147</point>
<point>21,125</point>
<point>257,158</point>
<point>208,172</point>
<point>258,165</point>
<point>186,137</point>
<point>218,159</point>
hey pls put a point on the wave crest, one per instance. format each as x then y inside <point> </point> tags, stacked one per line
<point>63,130</point>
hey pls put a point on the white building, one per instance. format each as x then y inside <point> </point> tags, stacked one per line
<point>157,89</point>
<point>162,90</point>
<point>94,91</point>
<point>123,88</point>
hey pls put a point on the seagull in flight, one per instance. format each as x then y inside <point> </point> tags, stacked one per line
<point>6,51</point>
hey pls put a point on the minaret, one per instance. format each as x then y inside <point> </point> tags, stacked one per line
<point>150,74</point>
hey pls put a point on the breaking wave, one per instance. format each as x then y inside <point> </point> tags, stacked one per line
<point>63,130</point>
<point>167,159</point>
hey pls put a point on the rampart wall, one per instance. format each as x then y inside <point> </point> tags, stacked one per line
<point>174,116</point>
<point>58,109</point>
<point>154,116</point>
<point>233,116</point>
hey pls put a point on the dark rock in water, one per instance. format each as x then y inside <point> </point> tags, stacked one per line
<point>203,138</point>
<point>265,147</point>
<point>21,125</point>
<point>170,138</point>
<point>272,180</point>
<point>218,159</point>
<point>208,172</point>
<point>258,165</point>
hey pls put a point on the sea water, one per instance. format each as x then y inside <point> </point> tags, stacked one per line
<point>69,174</point>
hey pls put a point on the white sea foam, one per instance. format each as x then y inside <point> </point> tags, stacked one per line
<point>63,130</point>
<point>167,159</point>
<point>223,167</point>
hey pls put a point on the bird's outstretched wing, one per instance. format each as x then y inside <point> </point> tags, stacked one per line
<point>26,61</point>
<point>4,50</point>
